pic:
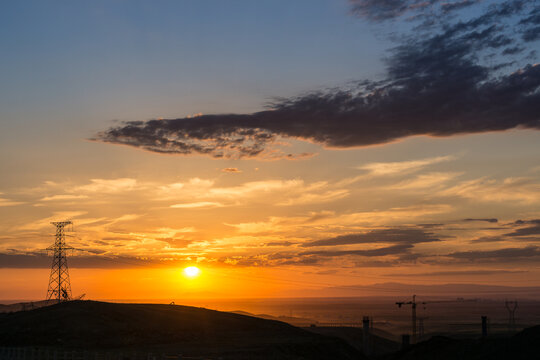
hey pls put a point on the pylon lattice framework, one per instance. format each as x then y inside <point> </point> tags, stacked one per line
<point>59,284</point>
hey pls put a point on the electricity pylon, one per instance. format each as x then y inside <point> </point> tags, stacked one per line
<point>59,285</point>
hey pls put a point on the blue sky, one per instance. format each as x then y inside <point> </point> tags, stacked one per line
<point>81,54</point>
<point>69,69</point>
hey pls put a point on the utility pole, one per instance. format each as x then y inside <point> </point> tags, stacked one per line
<point>59,286</point>
<point>484,326</point>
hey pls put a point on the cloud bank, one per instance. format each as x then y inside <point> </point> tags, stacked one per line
<point>380,10</point>
<point>436,85</point>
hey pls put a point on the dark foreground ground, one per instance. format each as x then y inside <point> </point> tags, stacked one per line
<point>525,345</point>
<point>165,330</point>
<point>99,330</point>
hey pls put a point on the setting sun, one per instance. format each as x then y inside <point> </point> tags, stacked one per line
<point>192,271</point>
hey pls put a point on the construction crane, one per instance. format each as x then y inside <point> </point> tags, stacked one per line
<point>421,326</point>
<point>415,303</point>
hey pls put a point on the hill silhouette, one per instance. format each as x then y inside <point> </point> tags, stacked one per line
<point>293,320</point>
<point>173,329</point>
<point>354,336</point>
<point>524,345</point>
<point>29,305</point>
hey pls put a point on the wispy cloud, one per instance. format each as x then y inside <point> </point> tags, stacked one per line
<point>57,216</point>
<point>64,197</point>
<point>355,220</point>
<point>430,181</point>
<point>524,190</point>
<point>6,202</point>
<point>192,186</point>
<point>231,170</point>
<point>107,185</point>
<point>196,205</point>
<point>402,167</point>
<point>282,192</point>
<point>315,198</point>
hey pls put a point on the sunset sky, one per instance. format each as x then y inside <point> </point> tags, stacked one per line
<point>285,148</point>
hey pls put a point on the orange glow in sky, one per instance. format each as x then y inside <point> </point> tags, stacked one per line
<point>364,173</point>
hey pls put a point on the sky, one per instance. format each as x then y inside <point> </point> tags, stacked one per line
<point>286,148</point>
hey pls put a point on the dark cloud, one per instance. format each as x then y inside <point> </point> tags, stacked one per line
<point>447,290</point>
<point>513,50</point>
<point>439,94</point>
<point>378,10</point>
<point>430,226</point>
<point>435,85</point>
<point>280,243</point>
<point>307,260</point>
<point>525,222</point>
<point>408,258</point>
<point>276,259</point>
<point>531,26</point>
<point>319,257</point>
<point>527,230</point>
<point>533,18</point>
<point>362,257</point>
<point>381,10</point>
<point>24,261</point>
<point>460,273</point>
<point>522,231</point>
<point>216,135</point>
<point>395,236</point>
<point>383,251</point>
<point>500,254</point>
<point>531,34</point>
<point>490,220</point>
<point>457,5</point>
<point>40,261</point>
<point>489,239</point>
<point>502,65</point>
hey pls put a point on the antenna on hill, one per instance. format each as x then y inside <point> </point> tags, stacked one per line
<point>59,285</point>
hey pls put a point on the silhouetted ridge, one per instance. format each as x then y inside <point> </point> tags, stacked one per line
<point>166,328</point>
<point>354,336</point>
<point>522,346</point>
